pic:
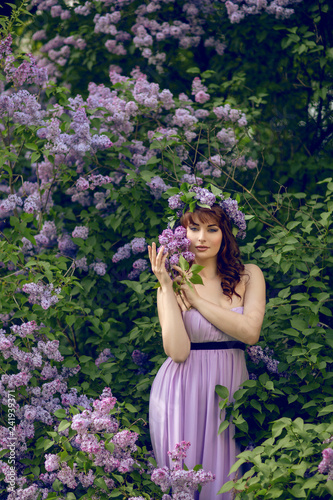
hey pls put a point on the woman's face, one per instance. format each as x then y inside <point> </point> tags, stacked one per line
<point>206,238</point>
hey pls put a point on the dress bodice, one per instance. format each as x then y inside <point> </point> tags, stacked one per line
<point>200,329</point>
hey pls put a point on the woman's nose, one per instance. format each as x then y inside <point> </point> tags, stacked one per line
<point>202,236</point>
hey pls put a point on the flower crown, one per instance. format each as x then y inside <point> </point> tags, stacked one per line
<point>189,196</point>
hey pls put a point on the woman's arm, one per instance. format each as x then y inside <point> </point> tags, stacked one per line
<point>176,342</point>
<point>245,327</point>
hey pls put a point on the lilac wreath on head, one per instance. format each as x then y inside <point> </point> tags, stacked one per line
<point>189,196</point>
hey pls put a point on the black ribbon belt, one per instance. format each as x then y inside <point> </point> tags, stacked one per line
<point>232,344</point>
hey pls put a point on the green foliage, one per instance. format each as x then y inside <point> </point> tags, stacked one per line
<point>286,413</point>
<point>285,464</point>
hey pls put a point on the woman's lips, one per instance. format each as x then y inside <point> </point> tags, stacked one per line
<point>201,249</point>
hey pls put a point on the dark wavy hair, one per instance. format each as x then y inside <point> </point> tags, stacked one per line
<point>229,264</point>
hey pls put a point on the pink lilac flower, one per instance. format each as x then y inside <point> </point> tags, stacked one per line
<point>326,465</point>
<point>51,462</point>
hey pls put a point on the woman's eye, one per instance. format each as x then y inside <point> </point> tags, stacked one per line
<point>193,228</point>
<point>213,230</point>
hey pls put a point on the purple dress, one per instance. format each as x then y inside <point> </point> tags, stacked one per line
<point>184,405</point>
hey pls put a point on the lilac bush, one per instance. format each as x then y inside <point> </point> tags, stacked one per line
<point>123,27</point>
<point>79,443</point>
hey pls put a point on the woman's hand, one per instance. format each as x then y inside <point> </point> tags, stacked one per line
<point>158,265</point>
<point>189,293</point>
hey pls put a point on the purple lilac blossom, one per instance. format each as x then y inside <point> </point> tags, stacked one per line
<point>204,196</point>
<point>44,295</point>
<point>237,217</point>
<point>100,268</point>
<point>80,232</point>
<point>103,356</point>
<point>139,358</point>
<point>157,187</point>
<point>257,354</point>
<point>176,244</point>
<point>184,483</point>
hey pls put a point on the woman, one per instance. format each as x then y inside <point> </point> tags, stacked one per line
<point>229,309</point>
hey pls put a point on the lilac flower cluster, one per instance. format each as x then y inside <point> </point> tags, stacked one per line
<point>157,187</point>
<point>204,196</point>
<point>199,91</point>
<point>257,354</point>
<point>42,398</point>
<point>103,357</point>
<point>326,465</point>
<point>184,483</point>
<point>97,180</point>
<point>236,216</point>
<point>27,73</point>
<point>139,358</point>
<point>238,9</point>
<point>99,267</point>
<point>139,266</point>
<point>25,329</point>
<point>44,295</point>
<point>226,113</point>
<point>21,107</point>
<point>137,245</point>
<point>80,232</point>
<point>176,244</point>
<point>73,147</point>
<point>6,46</point>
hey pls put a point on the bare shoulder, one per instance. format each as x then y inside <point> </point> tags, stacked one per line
<point>252,270</point>
<point>255,292</point>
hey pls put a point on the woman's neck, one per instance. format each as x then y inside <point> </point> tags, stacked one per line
<point>209,271</point>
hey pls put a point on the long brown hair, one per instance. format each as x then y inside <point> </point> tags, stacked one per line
<point>229,264</point>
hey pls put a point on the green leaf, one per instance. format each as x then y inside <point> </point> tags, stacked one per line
<point>183,264</point>
<point>47,444</point>
<point>63,425</point>
<point>223,426</point>
<point>196,279</point>
<point>195,268</point>
<point>99,481</point>
<point>226,487</point>
<point>327,410</point>
<point>222,391</point>
<point>60,413</point>
<point>35,157</point>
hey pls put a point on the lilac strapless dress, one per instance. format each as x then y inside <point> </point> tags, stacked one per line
<point>184,405</point>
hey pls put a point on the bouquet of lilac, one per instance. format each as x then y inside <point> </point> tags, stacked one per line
<point>177,246</point>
